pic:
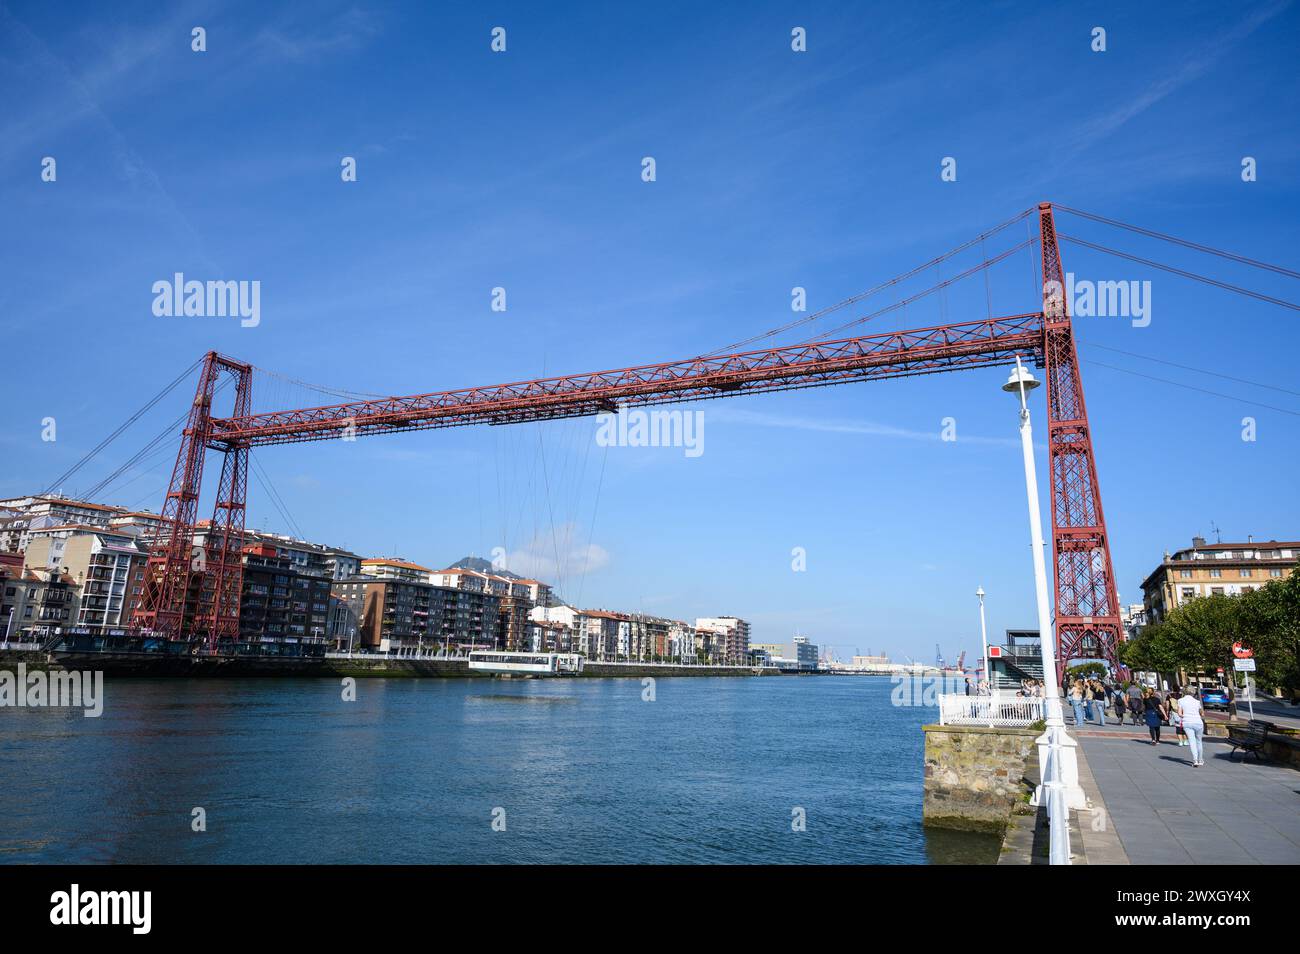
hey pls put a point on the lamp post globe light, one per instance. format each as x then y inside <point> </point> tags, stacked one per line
<point>1057,760</point>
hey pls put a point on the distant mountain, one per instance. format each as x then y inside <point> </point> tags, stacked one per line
<point>481,565</point>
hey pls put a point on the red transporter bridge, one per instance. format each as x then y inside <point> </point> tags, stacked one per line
<point>193,594</point>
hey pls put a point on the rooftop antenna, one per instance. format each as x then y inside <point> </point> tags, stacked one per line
<point>1215,527</point>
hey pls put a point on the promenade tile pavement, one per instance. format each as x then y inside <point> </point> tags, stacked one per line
<point>1167,812</point>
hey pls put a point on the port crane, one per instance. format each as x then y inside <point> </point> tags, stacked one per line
<point>195,596</point>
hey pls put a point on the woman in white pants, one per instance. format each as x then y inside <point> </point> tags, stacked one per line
<point>1189,711</point>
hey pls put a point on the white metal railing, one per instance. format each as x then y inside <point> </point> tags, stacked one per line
<point>20,647</point>
<point>1002,709</point>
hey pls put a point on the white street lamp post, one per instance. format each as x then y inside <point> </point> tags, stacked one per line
<point>984,640</point>
<point>1057,760</point>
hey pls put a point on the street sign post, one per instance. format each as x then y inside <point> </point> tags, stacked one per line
<point>1247,665</point>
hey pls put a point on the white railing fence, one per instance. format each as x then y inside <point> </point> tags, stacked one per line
<point>1002,709</point>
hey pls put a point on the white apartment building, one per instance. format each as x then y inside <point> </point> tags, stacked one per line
<point>734,633</point>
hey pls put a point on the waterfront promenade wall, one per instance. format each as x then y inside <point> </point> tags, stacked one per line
<point>975,775</point>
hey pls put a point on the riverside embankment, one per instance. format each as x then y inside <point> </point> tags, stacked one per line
<point>356,665</point>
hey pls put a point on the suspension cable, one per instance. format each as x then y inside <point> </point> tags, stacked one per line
<point>1192,387</point>
<point>1183,242</point>
<point>977,240</point>
<point>1181,272</point>
<point>1185,367</point>
<point>928,291</point>
<point>265,480</point>
<point>127,423</point>
<point>148,448</point>
<point>321,388</point>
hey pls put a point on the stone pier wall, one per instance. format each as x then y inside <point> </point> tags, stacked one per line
<point>974,775</point>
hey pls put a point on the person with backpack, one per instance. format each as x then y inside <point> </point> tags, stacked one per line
<point>1135,706</point>
<point>1117,700</point>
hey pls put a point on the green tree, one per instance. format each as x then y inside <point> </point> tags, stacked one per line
<point>1270,625</point>
<point>1152,651</point>
<point>1203,630</point>
<point>1090,670</point>
<point>1198,635</point>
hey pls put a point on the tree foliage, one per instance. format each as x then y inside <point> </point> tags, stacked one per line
<point>1199,634</point>
<point>1088,670</point>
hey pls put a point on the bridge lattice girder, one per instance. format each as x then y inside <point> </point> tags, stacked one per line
<point>1087,620</point>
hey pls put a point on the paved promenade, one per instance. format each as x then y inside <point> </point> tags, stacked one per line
<point>1166,812</point>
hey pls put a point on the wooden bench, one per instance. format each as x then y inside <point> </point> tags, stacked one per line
<point>1249,739</point>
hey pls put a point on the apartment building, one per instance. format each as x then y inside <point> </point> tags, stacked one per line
<point>279,602</point>
<point>683,642</point>
<point>27,514</point>
<point>392,568</point>
<point>551,637</point>
<point>385,614</point>
<point>557,625</point>
<point>11,572</point>
<point>139,523</point>
<point>733,641</point>
<point>604,635</point>
<point>45,604</point>
<point>101,563</point>
<point>514,601</point>
<point>398,613</point>
<point>539,593</point>
<point>1206,569</point>
<point>13,524</point>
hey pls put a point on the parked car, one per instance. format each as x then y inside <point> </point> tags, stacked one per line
<point>1215,697</point>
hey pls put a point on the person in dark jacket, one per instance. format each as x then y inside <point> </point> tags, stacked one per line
<point>1117,700</point>
<point>1153,713</point>
<point>1135,707</point>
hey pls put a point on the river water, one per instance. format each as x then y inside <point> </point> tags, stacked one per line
<point>427,770</point>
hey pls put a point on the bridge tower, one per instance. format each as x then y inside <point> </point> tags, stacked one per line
<point>1086,604</point>
<point>188,591</point>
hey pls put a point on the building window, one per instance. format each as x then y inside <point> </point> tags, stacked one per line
<point>1275,573</point>
<point>1245,574</point>
<point>1189,592</point>
<point>1216,591</point>
<point>1216,573</point>
<point>1185,574</point>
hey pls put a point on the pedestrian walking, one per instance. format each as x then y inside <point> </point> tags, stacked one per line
<point>1135,707</point>
<point>1153,713</point>
<point>1117,700</point>
<point>1189,713</point>
<point>1099,701</point>
<point>1076,702</point>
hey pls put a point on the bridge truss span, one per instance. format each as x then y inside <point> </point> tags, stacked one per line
<point>1087,621</point>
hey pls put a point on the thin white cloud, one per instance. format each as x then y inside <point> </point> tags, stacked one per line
<point>1102,126</point>
<point>558,557</point>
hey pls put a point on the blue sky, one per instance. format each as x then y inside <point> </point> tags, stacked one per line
<point>775,169</point>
